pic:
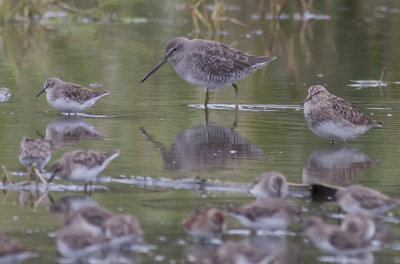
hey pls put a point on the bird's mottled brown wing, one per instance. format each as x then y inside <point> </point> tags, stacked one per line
<point>256,210</point>
<point>370,200</point>
<point>79,93</point>
<point>221,59</point>
<point>345,110</point>
<point>343,240</point>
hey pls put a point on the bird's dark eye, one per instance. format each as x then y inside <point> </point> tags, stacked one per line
<point>175,49</point>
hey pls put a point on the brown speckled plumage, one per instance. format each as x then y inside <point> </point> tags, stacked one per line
<point>34,151</point>
<point>71,91</point>
<point>121,225</point>
<point>332,239</point>
<point>209,64</point>
<point>357,198</point>
<point>94,216</point>
<point>321,106</point>
<point>69,97</point>
<point>269,208</point>
<point>9,246</point>
<point>71,161</point>
<point>205,223</point>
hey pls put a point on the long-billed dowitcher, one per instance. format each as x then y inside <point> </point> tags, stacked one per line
<point>69,97</point>
<point>268,214</point>
<point>269,184</point>
<point>333,118</point>
<point>209,64</point>
<point>82,165</point>
<point>357,198</point>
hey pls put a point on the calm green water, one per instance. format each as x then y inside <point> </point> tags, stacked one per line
<point>346,41</point>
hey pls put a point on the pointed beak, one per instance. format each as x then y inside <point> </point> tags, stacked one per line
<point>307,99</point>
<point>42,91</point>
<point>158,66</point>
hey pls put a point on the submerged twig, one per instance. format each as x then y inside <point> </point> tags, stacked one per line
<point>6,176</point>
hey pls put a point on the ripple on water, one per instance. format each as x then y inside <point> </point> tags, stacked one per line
<point>249,107</point>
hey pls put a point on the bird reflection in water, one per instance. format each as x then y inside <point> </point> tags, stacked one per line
<point>206,146</point>
<point>337,165</point>
<point>70,130</point>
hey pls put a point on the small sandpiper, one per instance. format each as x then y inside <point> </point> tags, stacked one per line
<point>331,239</point>
<point>269,214</point>
<point>357,198</point>
<point>91,218</point>
<point>333,118</point>
<point>359,224</point>
<point>269,184</point>
<point>82,165</point>
<point>205,223</point>
<point>69,97</point>
<point>209,64</point>
<point>75,241</point>
<point>121,225</point>
<point>34,151</point>
<point>12,252</point>
<point>241,252</point>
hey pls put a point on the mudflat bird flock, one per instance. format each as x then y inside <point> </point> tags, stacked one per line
<point>211,65</point>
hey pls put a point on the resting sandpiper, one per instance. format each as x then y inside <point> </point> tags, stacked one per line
<point>121,225</point>
<point>75,241</point>
<point>359,224</point>
<point>82,165</point>
<point>12,252</point>
<point>209,64</point>
<point>269,184</point>
<point>205,223</point>
<point>357,198</point>
<point>241,252</point>
<point>69,97</point>
<point>91,218</point>
<point>269,214</point>
<point>34,151</point>
<point>333,118</point>
<point>331,239</point>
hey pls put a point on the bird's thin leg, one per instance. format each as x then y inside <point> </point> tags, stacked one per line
<point>69,114</point>
<point>206,116</point>
<point>85,188</point>
<point>90,188</point>
<point>207,99</point>
<point>235,122</point>
<point>236,95</point>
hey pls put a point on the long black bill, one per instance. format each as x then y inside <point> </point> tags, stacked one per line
<point>42,91</point>
<point>52,176</point>
<point>307,99</point>
<point>158,66</point>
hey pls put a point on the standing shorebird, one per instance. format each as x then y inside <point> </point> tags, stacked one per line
<point>209,64</point>
<point>333,118</point>
<point>269,184</point>
<point>357,198</point>
<point>34,151</point>
<point>82,165</point>
<point>69,97</point>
